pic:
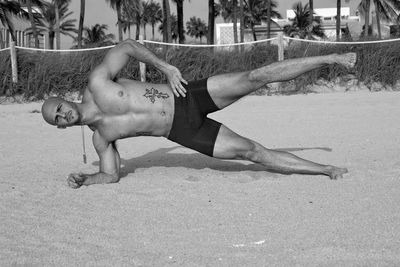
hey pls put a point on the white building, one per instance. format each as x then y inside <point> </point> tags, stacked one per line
<point>24,37</point>
<point>224,31</point>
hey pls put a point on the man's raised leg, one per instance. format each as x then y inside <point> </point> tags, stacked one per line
<point>230,145</point>
<point>227,88</point>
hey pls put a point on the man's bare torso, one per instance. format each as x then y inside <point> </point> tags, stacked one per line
<point>128,108</point>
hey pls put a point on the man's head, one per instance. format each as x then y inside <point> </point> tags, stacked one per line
<point>59,112</point>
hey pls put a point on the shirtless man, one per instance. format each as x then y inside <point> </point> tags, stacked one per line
<point>116,109</point>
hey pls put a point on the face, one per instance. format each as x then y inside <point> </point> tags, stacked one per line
<point>59,112</point>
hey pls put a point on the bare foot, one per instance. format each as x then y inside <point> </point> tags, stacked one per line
<point>347,60</point>
<point>336,172</point>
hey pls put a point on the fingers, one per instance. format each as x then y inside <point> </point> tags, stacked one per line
<point>184,81</point>
<point>175,80</point>
<point>72,183</point>
<point>74,180</point>
<point>178,89</point>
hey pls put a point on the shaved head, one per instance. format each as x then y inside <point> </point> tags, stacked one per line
<point>59,112</point>
<point>48,108</point>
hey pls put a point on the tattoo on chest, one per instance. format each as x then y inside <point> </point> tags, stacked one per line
<point>152,94</point>
<point>143,133</point>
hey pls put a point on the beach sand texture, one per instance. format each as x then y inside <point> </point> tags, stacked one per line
<point>176,207</point>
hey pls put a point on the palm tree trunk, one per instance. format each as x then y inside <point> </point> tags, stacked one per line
<point>253,31</point>
<point>235,31</point>
<point>57,26</point>
<point>338,18</point>
<point>51,40</point>
<point>179,11</point>
<point>241,21</point>
<point>144,32</point>
<point>81,19</point>
<point>367,9</point>
<point>311,4</point>
<point>137,30</point>
<point>211,22</point>
<point>252,23</point>
<point>33,24</point>
<point>118,6</point>
<point>152,30</point>
<point>137,25</point>
<point>269,19</point>
<point>129,31</point>
<point>1,40</point>
<point>167,21</point>
<point>378,19</point>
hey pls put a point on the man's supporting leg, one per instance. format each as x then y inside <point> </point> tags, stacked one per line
<point>230,145</point>
<point>227,88</point>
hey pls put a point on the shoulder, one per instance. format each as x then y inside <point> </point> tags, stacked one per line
<point>98,77</point>
<point>99,81</point>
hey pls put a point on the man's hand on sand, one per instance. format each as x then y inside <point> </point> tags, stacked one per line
<point>75,180</point>
<point>175,80</point>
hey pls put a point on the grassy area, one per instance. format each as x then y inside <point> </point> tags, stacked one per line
<point>44,73</point>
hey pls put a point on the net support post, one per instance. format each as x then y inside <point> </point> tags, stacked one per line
<point>280,47</point>
<point>13,54</point>
<point>142,66</point>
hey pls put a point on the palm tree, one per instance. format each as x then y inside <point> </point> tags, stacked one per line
<point>254,12</point>
<point>364,7</point>
<point>130,14</point>
<point>146,16</point>
<point>196,27</point>
<point>116,5</point>
<point>257,10</point>
<point>311,4</point>
<point>155,14</point>
<point>211,21</point>
<point>213,11</point>
<point>81,19</point>
<point>174,28</point>
<point>234,20</point>
<point>338,18</point>
<point>8,9</point>
<point>179,11</point>
<point>33,18</point>
<point>269,18</point>
<point>229,13</point>
<point>167,21</point>
<point>95,36</point>
<point>138,17</point>
<point>241,12</point>
<point>386,10</point>
<point>57,5</point>
<point>48,23</point>
<point>301,26</point>
<point>57,28</point>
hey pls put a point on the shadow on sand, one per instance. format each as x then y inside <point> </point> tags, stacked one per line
<point>165,157</point>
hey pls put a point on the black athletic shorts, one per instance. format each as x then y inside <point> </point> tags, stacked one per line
<point>191,126</point>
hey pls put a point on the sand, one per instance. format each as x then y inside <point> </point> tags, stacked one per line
<point>176,207</point>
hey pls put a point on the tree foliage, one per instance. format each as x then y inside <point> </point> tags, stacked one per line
<point>196,28</point>
<point>301,26</point>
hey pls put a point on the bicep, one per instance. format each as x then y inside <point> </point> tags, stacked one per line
<point>108,154</point>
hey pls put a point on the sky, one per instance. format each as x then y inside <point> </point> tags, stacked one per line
<point>99,11</point>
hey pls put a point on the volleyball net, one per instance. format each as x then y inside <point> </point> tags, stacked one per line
<point>43,72</point>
